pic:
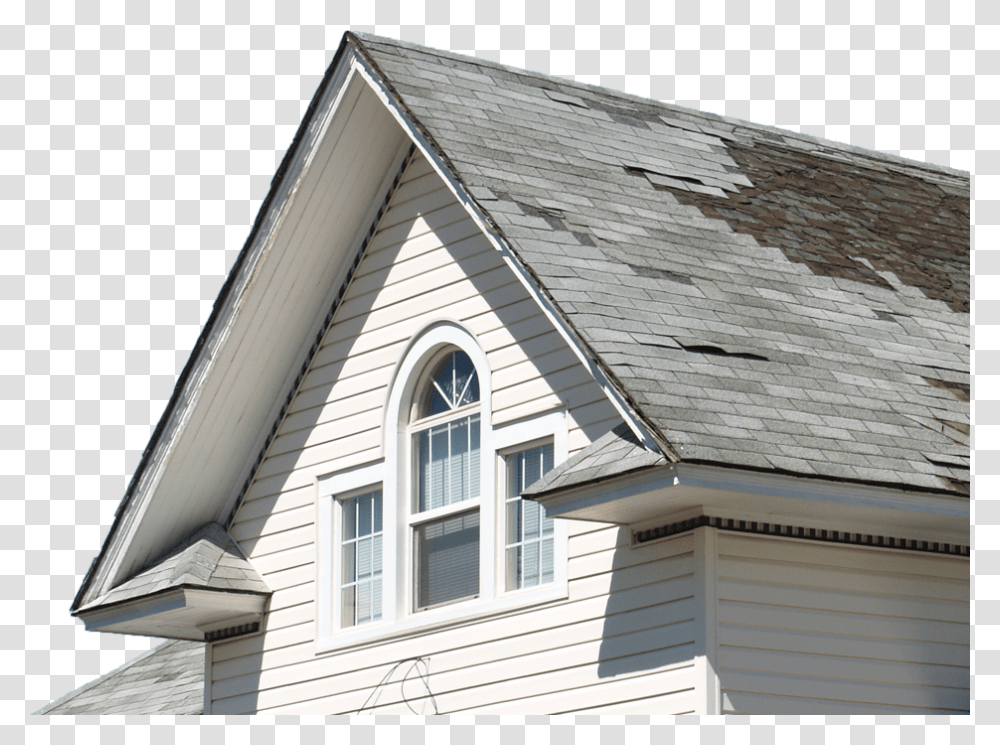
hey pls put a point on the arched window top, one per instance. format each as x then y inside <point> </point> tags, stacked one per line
<point>453,383</point>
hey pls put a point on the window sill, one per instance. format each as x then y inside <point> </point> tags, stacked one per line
<point>457,614</point>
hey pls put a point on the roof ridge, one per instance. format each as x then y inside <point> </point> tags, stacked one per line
<point>924,168</point>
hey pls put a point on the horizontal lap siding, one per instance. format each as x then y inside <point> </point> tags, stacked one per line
<point>623,639</point>
<point>621,635</point>
<point>808,628</point>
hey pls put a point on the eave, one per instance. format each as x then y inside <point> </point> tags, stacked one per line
<point>677,492</point>
<point>185,612</point>
<point>272,307</point>
<point>275,306</point>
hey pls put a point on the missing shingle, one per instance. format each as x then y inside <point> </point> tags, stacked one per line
<point>961,391</point>
<point>633,115</point>
<point>627,120</point>
<point>583,239</point>
<point>884,315</point>
<point>654,273</point>
<point>646,172</point>
<point>720,352</point>
<point>963,428</point>
<point>555,218</point>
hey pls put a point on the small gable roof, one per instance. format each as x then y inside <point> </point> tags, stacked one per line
<point>208,559</point>
<point>168,679</point>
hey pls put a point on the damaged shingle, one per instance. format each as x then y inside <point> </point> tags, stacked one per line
<point>745,244</point>
<point>720,352</point>
<point>821,212</point>
<point>655,273</point>
<point>961,391</point>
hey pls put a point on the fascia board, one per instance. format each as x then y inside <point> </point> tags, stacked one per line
<point>681,490</point>
<point>152,609</point>
<point>510,257</point>
<point>100,576</point>
<point>105,572</point>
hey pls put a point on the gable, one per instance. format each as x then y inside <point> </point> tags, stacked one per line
<point>632,227</point>
<point>427,262</point>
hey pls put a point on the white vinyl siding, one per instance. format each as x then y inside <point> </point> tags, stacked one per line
<point>621,637</point>
<point>809,628</point>
<point>427,262</point>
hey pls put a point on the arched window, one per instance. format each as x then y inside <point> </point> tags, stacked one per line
<point>449,536</point>
<point>445,514</point>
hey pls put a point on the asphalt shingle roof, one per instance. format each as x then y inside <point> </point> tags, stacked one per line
<point>765,299</point>
<point>208,558</point>
<point>169,679</point>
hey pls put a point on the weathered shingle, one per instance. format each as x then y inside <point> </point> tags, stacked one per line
<point>208,558</point>
<point>169,679</point>
<point>704,259</point>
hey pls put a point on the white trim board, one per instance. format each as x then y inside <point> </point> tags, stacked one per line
<point>680,491</point>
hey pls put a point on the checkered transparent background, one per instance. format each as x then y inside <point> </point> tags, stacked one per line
<point>138,143</point>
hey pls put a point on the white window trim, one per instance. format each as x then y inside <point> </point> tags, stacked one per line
<point>329,490</point>
<point>392,475</point>
<point>510,439</point>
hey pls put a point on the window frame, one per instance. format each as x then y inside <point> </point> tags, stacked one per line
<point>395,473</point>
<point>503,497</point>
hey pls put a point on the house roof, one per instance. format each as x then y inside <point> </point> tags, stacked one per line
<point>208,559</point>
<point>766,300</point>
<point>756,298</point>
<point>168,679</point>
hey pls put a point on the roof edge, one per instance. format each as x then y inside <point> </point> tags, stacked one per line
<point>640,424</point>
<point>44,711</point>
<point>206,331</point>
<point>778,472</point>
<point>727,120</point>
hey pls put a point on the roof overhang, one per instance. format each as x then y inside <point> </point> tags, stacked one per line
<point>272,307</point>
<point>681,491</point>
<point>197,614</point>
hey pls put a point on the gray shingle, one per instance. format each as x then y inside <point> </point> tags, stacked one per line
<point>832,282</point>
<point>166,680</point>
<point>208,558</point>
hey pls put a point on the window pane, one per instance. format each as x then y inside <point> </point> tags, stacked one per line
<point>528,530</point>
<point>364,517</point>
<point>451,384</point>
<point>473,457</point>
<point>447,559</point>
<point>436,403</point>
<point>530,572</point>
<point>547,558</point>
<point>350,518</point>
<point>513,566</point>
<point>348,608</point>
<point>364,602</point>
<point>464,372</point>
<point>448,463</point>
<point>348,564</point>
<point>458,482</point>
<point>361,559</point>
<point>471,391</point>
<point>513,521</point>
<point>530,512</point>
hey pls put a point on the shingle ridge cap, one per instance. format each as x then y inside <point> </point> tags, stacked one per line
<point>925,169</point>
<point>44,711</point>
